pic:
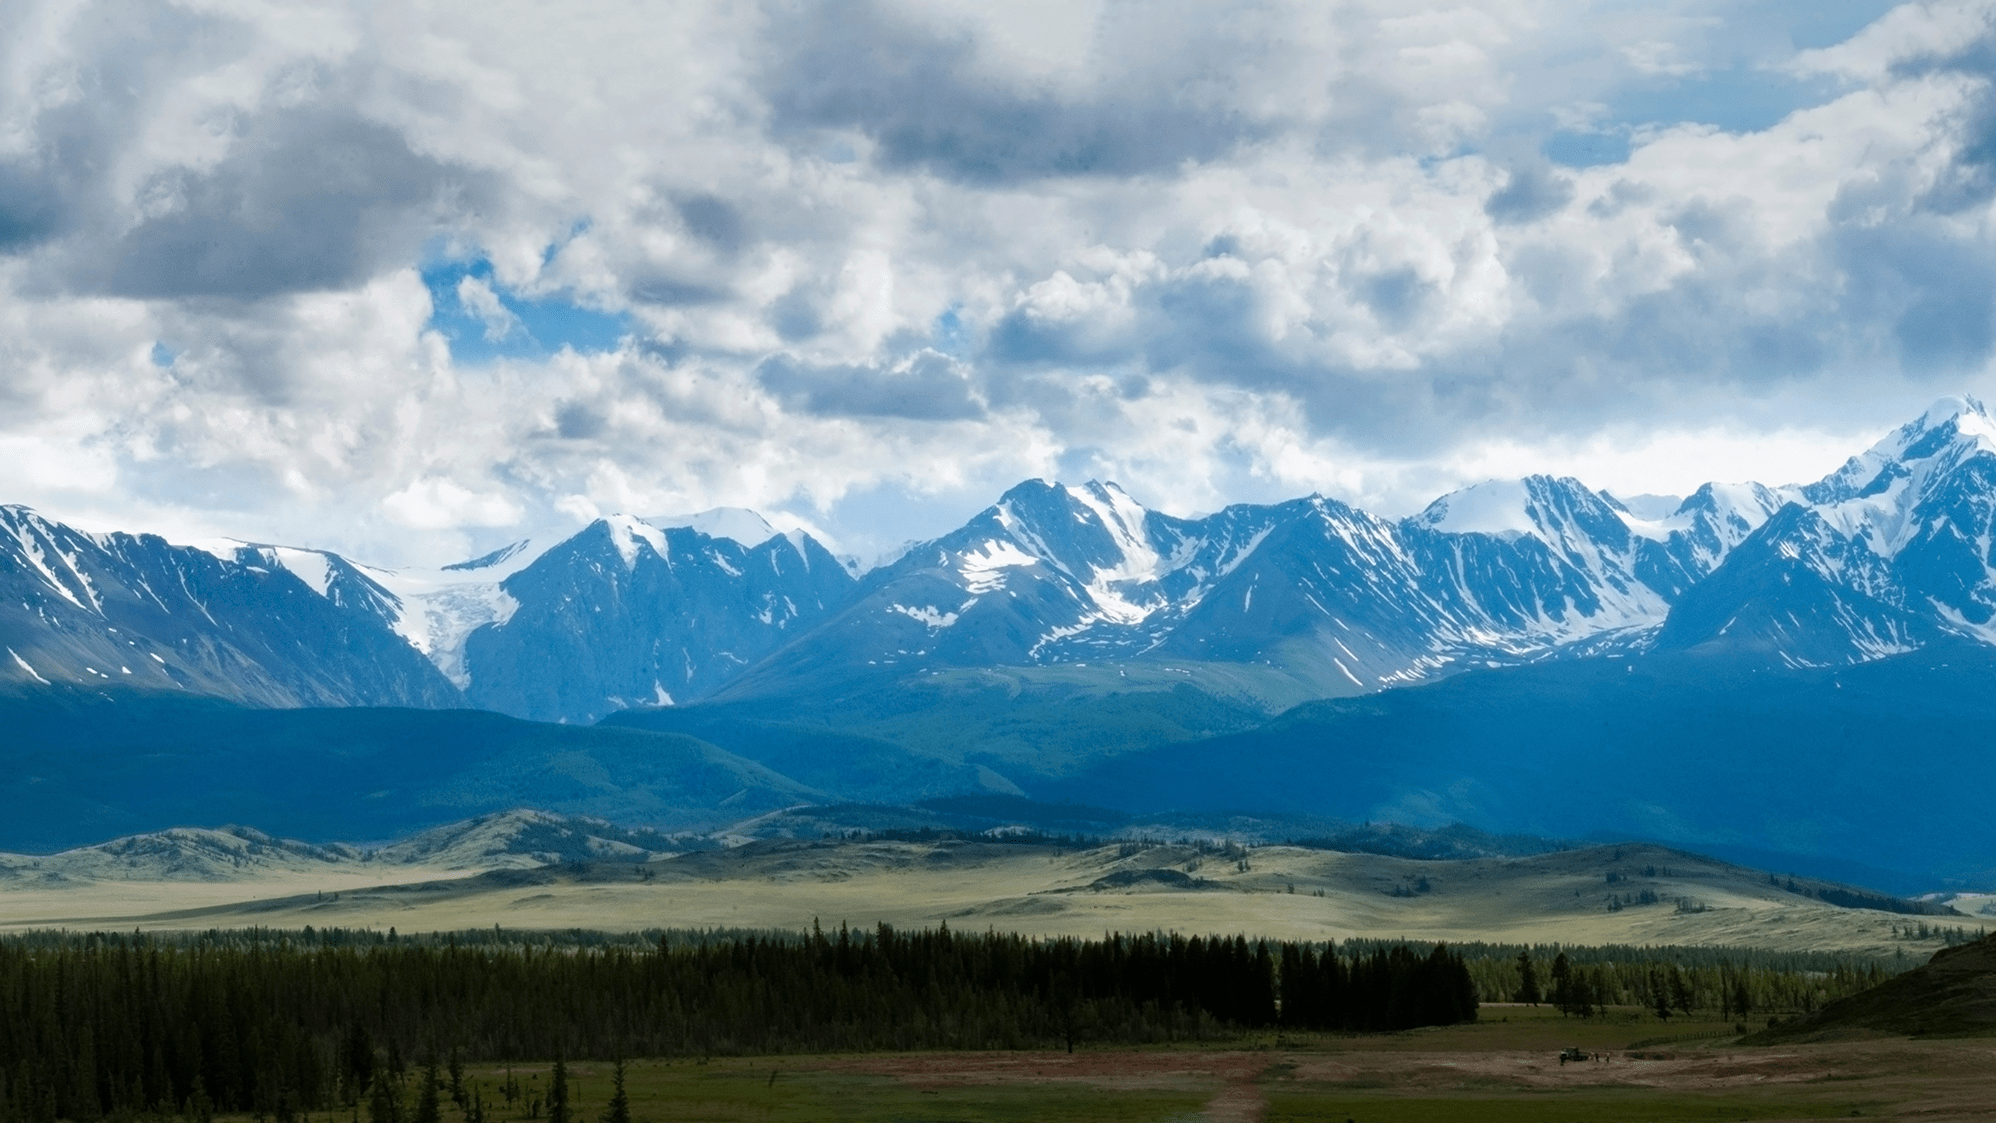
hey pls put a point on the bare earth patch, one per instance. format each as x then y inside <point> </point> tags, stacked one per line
<point>1937,1080</point>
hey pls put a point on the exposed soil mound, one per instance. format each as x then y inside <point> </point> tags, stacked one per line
<point>1953,995</point>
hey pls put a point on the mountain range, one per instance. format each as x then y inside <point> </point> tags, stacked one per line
<point>1308,598</point>
<point>1531,656</point>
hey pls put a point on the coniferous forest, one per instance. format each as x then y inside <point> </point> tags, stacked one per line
<point>101,1025</point>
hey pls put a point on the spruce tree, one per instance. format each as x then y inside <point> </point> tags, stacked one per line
<point>384,1100</point>
<point>558,1092</point>
<point>457,1093</point>
<point>1562,984</point>
<point>619,1110</point>
<point>1680,993</point>
<point>1528,988</point>
<point>429,1106</point>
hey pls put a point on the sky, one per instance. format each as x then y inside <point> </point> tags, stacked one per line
<point>414,280</point>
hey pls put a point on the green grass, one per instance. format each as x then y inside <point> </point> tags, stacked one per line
<point>725,1091</point>
<point>1621,1106</point>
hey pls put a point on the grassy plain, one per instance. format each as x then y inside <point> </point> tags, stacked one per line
<point>1503,1068</point>
<point>1274,891</point>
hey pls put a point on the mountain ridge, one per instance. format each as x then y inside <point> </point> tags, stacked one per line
<point>1891,552</point>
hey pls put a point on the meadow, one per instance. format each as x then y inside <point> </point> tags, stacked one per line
<point>1502,1068</point>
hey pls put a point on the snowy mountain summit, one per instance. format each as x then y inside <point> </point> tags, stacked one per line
<point>737,524</point>
<point>1886,554</point>
<point>1890,552</point>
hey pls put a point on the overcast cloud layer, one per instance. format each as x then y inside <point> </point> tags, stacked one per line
<point>412,279</point>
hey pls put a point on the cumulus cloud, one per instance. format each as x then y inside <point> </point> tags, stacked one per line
<point>438,503</point>
<point>871,262</point>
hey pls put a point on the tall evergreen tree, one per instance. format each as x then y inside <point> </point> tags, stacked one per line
<point>1528,986</point>
<point>429,1099</point>
<point>384,1100</point>
<point>1680,992</point>
<point>1562,984</point>
<point>619,1110</point>
<point>558,1091</point>
<point>457,1093</point>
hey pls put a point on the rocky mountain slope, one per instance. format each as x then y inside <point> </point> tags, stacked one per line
<point>234,621</point>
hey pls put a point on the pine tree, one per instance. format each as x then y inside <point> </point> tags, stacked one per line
<point>457,1093</point>
<point>1680,993</point>
<point>1562,984</point>
<point>558,1092</point>
<point>1528,989</point>
<point>619,1110</point>
<point>429,1106</point>
<point>384,1100</point>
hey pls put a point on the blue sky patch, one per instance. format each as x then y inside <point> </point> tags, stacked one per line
<point>486,321</point>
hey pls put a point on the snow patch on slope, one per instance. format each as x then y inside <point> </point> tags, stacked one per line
<point>984,569</point>
<point>23,664</point>
<point>930,615</point>
<point>312,567</point>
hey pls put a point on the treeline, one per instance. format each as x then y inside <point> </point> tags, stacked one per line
<point>1951,937</point>
<point>1848,898</point>
<point>129,1024</point>
<point>1669,981</point>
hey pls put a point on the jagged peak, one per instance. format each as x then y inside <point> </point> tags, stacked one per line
<point>1952,407</point>
<point>627,533</point>
<point>737,524</point>
<point>1730,498</point>
<point>1950,432</point>
<point>1950,421</point>
<point>1034,487</point>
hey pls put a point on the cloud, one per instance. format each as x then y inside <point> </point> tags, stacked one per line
<point>464,271</point>
<point>477,297</point>
<point>927,386</point>
<point>436,503</point>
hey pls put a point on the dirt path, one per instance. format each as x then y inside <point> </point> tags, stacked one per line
<point>1240,1102</point>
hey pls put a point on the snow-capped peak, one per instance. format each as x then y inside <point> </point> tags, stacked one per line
<point>1499,507</point>
<point>1959,423</point>
<point>626,531</point>
<point>1874,495</point>
<point>1970,418</point>
<point>738,524</point>
<point>1535,506</point>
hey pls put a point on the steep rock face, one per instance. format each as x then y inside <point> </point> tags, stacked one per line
<point>1886,554</point>
<point>1799,593</point>
<point>625,613</point>
<point>1331,588</point>
<point>233,623</point>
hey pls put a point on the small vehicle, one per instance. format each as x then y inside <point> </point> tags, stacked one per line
<point>1566,1055</point>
